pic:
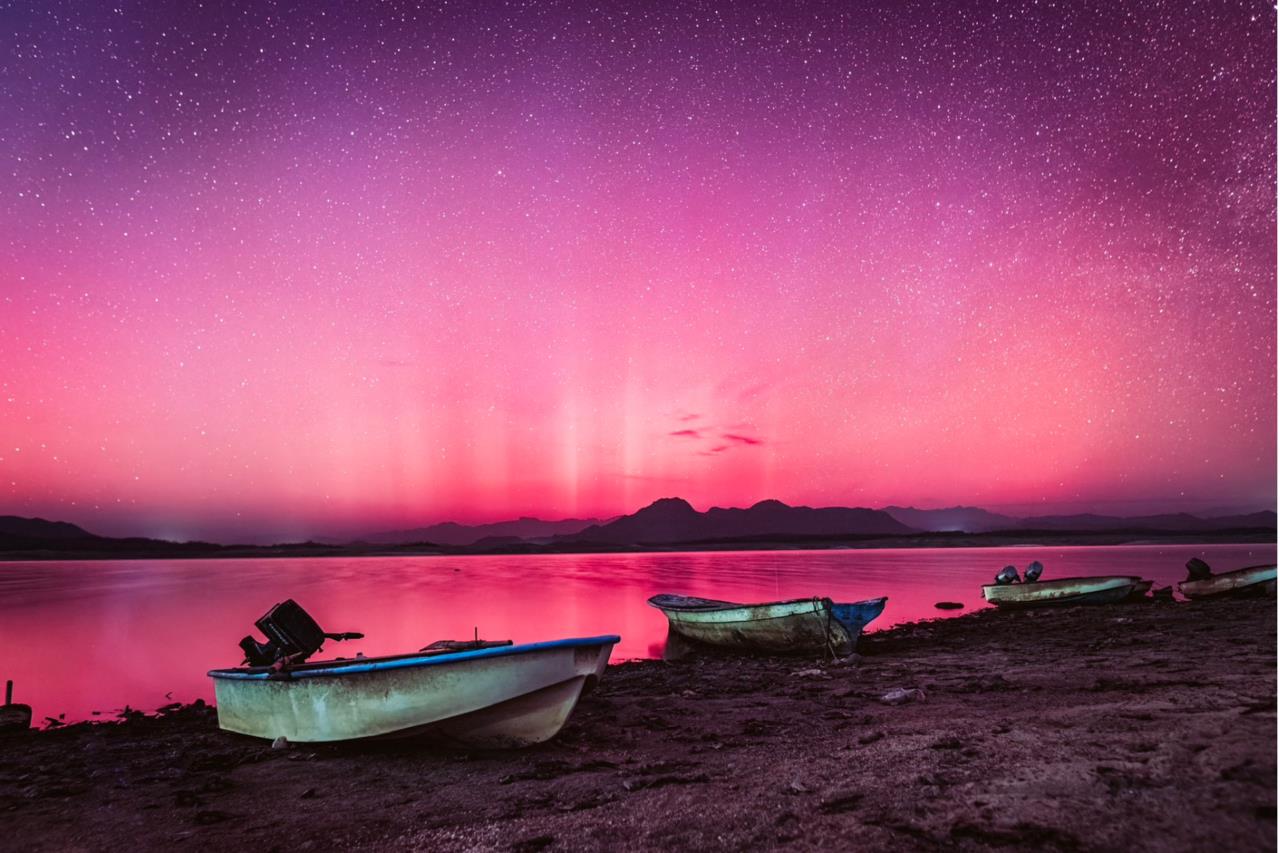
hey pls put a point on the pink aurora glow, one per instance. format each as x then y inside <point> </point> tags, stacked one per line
<point>274,274</point>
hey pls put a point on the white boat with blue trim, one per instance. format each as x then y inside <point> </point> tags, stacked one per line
<point>799,626</point>
<point>496,697</point>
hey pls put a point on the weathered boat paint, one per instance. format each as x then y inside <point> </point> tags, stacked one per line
<point>1251,580</point>
<point>507,696</point>
<point>1063,591</point>
<point>802,625</point>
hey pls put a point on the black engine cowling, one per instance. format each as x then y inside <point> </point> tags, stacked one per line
<point>291,633</point>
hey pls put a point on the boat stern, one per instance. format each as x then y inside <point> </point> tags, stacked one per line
<point>856,615</point>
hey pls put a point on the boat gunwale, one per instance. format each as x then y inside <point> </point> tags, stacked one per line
<point>353,666</point>
<point>1230,573</point>
<point>714,606</point>
<point>1129,579</point>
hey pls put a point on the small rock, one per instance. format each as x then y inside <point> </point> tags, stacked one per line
<point>848,660</point>
<point>797,787</point>
<point>187,798</point>
<point>810,673</point>
<point>903,695</point>
<point>211,816</point>
<point>281,742</point>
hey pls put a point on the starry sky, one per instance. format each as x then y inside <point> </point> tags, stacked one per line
<point>273,269</point>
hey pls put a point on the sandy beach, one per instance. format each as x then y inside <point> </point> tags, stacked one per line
<point>1141,727</point>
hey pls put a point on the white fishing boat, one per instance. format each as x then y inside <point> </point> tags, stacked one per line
<point>802,625</point>
<point>1105,589</point>
<point>504,696</point>
<point>1252,580</point>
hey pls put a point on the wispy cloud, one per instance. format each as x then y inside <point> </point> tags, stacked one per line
<point>714,439</point>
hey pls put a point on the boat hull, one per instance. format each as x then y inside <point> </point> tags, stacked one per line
<point>1065,592</point>
<point>1254,580</point>
<point>503,697</point>
<point>803,626</point>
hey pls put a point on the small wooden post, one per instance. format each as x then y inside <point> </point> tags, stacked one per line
<point>8,692</point>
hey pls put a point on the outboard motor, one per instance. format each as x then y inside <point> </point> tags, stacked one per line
<point>1034,571</point>
<point>292,635</point>
<point>1007,575</point>
<point>1198,569</point>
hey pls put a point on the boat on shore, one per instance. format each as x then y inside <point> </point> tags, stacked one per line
<point>1251,580</point>
<point>490,697</point>
<point>1106,589</point>
<point>798,626</point>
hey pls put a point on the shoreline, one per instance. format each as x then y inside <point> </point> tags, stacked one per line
<point>1143,726</point>
<point>1004,539</point>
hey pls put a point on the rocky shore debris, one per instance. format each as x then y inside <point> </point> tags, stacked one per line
<point>752,758</point>
<point>903,695</point>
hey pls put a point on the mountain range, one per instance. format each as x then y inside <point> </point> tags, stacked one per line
<point>972,519</point>
<point>452,533</point>
<point>672,522</point>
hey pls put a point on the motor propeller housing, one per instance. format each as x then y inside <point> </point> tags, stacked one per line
<point>291,634</point>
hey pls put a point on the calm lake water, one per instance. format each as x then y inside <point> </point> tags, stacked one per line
<point>79,637</point>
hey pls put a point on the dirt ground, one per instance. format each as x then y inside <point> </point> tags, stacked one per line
<point>1134,727</point>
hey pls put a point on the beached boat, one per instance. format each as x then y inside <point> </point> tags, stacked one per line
<point>1253,580</point>
<point>503,696</point>
<point>800,626</point>
<point>1064,591</point>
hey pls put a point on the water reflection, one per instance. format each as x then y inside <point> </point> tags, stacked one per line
<point>79,637</point>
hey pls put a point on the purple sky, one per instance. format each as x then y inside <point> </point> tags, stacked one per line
<point>276,269</point>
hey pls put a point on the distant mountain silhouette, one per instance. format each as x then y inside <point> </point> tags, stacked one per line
<point>38,528</point>
<point>1180,522</point>
<point>454,534</point>
<point>969,519</point>
<point>1265,518</point>
<point>36,538</point>
<point>671,520</point>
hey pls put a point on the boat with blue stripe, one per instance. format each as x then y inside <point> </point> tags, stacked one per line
<point>798,626</point>
<point>492,697</point>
